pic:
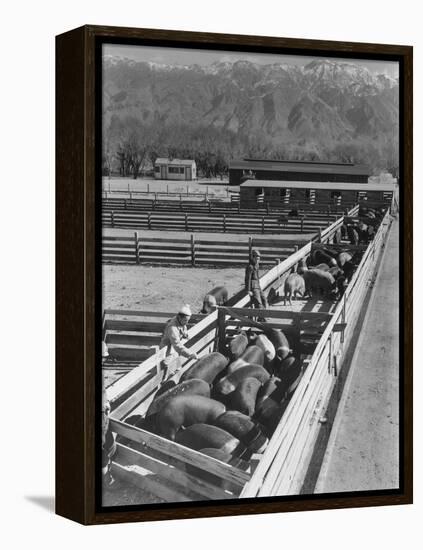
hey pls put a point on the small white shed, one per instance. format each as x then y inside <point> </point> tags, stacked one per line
<point>175,169</point>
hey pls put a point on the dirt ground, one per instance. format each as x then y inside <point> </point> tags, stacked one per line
<point>164,288</point>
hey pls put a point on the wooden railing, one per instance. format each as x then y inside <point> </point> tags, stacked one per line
<point>192,251</point>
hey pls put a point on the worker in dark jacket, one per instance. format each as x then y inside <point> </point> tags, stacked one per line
<point>252,281</point>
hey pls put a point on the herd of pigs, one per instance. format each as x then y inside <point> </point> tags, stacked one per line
<point>227,405</point>
<point>326,271</point>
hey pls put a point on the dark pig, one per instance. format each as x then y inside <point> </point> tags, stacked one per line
<point>294,285</point>
<point>321,256</point>
<point>322,267</point>
<point>228,384</point>
<point>252,355</point>
<point>353,235</point>
<point>266,390</point>
<point>201,436</point>
<point>189,387</point>
<point>342,258</point>
<point>216,297</point>
<point>237,345</point>
<point>206,368</point>
<point>269,413</point>
<point>262,342</point>
<point>244,429</point>
<point>186,410</point>
<point>280,342</point>
<point>336,272</point>
<point>243,398</point>
<point>289,372</point>
<point>319,281</point>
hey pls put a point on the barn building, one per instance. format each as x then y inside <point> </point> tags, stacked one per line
<point>175,169</point>
<point>240,170</point>
<point>257,193</point>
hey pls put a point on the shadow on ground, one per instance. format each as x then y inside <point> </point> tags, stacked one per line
<point>46,502</point>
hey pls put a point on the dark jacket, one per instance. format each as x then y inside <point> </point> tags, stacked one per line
<point>252,277</point>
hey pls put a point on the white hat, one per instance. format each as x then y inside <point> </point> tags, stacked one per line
<point>185,310</point>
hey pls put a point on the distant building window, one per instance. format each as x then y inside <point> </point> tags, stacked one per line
<point>176,170</point>
<point>362,196</point>
<point>336,194</point>
<point>157,169</point>
<point>284,192</point>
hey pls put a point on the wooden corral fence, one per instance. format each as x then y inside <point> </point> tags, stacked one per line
<point>218,206</point>
<point>192,251</point>
<point>284,465</point>
<point>218,223</point>
<point>131,191</point>
<point>162,466</point>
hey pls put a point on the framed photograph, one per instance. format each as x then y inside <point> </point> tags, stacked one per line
<point>234,274</point>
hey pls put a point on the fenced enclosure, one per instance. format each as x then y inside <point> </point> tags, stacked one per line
<point>282,468</point>
<point>192,251</point>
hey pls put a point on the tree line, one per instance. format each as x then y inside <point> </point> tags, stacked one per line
<point>130,148</point>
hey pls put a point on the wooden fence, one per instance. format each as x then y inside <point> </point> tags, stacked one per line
<point>218,206</point>
<point>218,223</point>
<point>192,251</point>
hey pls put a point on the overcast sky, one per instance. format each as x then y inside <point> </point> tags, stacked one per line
<point>182,56</point>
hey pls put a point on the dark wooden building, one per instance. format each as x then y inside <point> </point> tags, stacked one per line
<point>240,170</point>
<point>258,193</point>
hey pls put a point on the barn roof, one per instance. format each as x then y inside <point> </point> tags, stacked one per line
<point>175,162</point>
<point>328,185</point>
<point>297,166</point>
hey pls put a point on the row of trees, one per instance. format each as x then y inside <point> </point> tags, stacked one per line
<point>131,148</point>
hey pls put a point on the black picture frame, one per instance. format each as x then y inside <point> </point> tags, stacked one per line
<point>78,294</point>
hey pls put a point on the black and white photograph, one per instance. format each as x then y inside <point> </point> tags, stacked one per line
<point>250,261</point>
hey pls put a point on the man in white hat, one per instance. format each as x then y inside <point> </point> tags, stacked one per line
<point>176,331</point>
<point>252,281</point>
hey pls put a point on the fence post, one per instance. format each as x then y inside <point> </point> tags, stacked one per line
<point>149,220</point>
<point>262,224</point>
<point>148,188</point>
<point>125,204</point>
<point>210,208</point>
<point>267,207</point>
<point>186,222</point>
<point>227,191</point>
<point>113,218</point>
<point>319,240</point>
<point>130,196</point>
<point>129,189</point>
<point>137,257</point>
<point>155,197</point>
<point>224,223</point>
<point>250,246</point>
<point>193,250</point>
<point>187,190</point>
<point>109,187</point>
<point>302,224</point>
<point>239,206</point>
<point>221,336</point>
